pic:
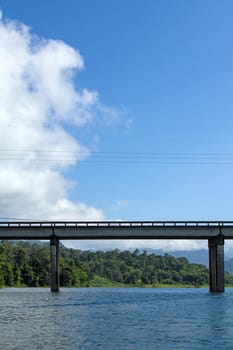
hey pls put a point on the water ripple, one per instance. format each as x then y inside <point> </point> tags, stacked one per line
<point>136,319</point>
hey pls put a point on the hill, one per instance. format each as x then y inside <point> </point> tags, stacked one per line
<point>229,266</point>
<point>200,256</point>
<point>28,264</point>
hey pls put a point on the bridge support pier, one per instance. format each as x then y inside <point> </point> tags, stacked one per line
<point>54,258</point>
<point>216,264</point>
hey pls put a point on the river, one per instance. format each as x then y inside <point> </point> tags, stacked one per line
<point>115,318</point>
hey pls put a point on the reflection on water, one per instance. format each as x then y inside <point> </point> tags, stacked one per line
<point>115,319</point>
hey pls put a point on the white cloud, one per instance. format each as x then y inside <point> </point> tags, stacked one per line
<point>120,204</point>
<point>166,245</point>
<point>38,99</point>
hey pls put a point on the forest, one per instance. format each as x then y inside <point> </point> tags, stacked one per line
<point>27,264</point>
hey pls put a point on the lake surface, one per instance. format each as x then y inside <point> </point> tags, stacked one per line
<point>99,318</point>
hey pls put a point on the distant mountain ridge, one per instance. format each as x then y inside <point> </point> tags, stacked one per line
<point>229,265</point>
<point>200,256</point>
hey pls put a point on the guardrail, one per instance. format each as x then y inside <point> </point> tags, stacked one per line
<point>109,224</point>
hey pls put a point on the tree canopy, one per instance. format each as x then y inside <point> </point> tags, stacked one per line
<point>28,264</point>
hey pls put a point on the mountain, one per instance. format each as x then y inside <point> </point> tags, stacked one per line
<point>229,265</point>
<point>200,256</point>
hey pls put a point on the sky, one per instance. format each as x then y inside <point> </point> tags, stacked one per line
<point>117,110</point>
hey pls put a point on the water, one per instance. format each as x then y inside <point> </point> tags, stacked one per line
<point>99,318</point>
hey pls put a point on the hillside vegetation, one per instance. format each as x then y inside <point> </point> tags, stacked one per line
<point>28,264</point>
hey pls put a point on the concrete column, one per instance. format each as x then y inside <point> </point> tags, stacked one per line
<point>54,258</point>
<point>216,264</point>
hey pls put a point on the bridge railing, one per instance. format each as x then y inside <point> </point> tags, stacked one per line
<point>110,224</point>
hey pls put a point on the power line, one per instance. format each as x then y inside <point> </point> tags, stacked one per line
<point>123,157</point>
<point>119,152</point>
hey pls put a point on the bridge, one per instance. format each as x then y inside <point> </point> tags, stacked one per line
<point>213,231</point>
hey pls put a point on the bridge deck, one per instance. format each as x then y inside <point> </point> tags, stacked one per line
<point>115,229</point>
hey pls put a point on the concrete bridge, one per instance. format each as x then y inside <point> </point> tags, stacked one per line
<point>213,231</point>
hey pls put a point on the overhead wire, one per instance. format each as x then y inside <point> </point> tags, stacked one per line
<point>129,157</point>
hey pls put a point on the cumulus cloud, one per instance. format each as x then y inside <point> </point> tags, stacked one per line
<point>38,99</point>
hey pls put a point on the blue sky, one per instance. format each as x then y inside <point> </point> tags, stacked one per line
<point>163,71</point>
